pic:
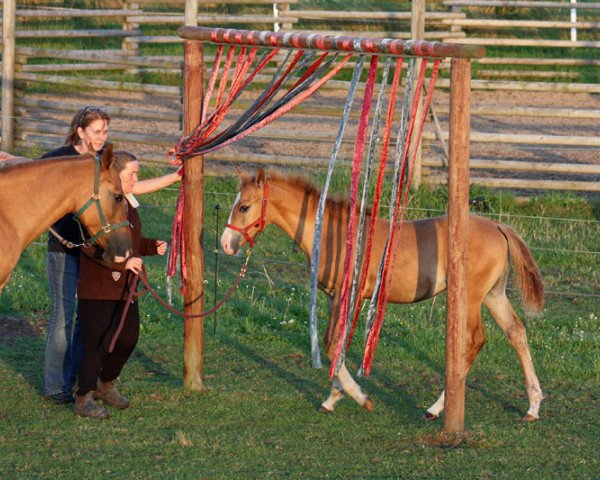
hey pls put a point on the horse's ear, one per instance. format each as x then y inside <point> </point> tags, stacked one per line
<point>107,157</point>
<point>260,177</point>
<point>242,177</point>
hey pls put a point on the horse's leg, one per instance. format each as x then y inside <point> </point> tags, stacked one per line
<point>343,381</point>
<point>475,342</point>
<point>337,391</point>
<point>513,328</point>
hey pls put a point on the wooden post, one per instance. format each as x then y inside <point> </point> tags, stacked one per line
<point>193,329</point>
<point>8,74</point>
<point>417,32</point>
<point>458,228</point>
<point>191,13</point>
<point>130,45</point>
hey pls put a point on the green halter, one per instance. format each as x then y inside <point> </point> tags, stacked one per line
<point>95,199</point>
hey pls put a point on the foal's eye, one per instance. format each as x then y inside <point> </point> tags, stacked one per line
<point>244,208</point>
<point>119,198</point>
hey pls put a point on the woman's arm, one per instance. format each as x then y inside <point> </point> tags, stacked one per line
<point>153,184</point>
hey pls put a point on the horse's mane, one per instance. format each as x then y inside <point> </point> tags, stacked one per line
<point>19,163</point>
<point>335,203</point>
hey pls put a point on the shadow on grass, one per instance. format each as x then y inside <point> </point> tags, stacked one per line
<point>382,387</point>
<point>488,392</point>
<point>307,388</point>
<point>22,348</point>
<point>155,372</point>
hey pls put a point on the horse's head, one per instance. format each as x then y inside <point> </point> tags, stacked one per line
<point>105,215</point>
<point>248,214</point>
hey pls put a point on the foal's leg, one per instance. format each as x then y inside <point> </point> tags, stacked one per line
<point>343,381</point>
<point>475,342</point>
<point>513,328</point>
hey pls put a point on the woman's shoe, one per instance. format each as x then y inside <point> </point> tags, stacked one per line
<point>85,406</point>
<point>60,398</point>
<point>107,391</point>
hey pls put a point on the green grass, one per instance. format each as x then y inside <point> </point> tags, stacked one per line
<point>258,416</point>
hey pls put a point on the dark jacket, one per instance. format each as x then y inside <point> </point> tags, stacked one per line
<point>101,280</point>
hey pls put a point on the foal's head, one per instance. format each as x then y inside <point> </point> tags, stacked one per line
<point>247,217</point>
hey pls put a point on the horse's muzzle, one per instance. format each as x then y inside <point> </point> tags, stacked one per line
<point>230,241</point>
<point>121,259</point>
<point>118,247</point>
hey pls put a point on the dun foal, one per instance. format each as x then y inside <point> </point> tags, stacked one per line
<point>290,202</point>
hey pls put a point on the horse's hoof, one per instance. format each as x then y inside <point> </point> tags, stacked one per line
<point>368,405</point>
<point>429,416</point>
<point>323,409</point>
<point>530,418</point>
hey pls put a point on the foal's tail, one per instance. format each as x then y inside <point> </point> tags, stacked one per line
<point>529,279</point>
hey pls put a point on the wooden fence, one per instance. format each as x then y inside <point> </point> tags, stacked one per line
<point>142,49</point>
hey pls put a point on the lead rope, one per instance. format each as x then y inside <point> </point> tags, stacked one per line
<point>143,277</point>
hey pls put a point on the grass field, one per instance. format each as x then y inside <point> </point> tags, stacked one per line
<point>258,416</point>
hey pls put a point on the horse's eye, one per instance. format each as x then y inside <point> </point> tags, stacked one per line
<point>118,198</point>
<point>244,208</point>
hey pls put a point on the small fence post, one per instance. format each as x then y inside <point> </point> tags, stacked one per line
<point>281,9</point>
<point>573,20</point>
<point>458,236</point>
<point>8,74</point>
<point>417,32</point>
<point>130,45</point>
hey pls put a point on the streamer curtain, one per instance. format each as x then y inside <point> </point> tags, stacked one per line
<point>408,135</point>
<point>312,72</point>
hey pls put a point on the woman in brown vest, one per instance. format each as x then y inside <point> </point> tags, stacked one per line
<point>102,293</point>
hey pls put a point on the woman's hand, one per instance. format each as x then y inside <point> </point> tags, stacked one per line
<point>161,247</point>
<point>6,156</point>
<point>134,264</point>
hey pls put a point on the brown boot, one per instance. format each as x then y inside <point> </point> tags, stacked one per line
<point>85,406</point>
<point>108,392</point>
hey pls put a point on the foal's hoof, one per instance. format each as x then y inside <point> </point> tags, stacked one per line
<point>530,418</point>
<point>368,405</point>
<point>324,409</point>
<point>429,416</point>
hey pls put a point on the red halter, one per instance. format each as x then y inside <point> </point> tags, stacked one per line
<point>259,223</point>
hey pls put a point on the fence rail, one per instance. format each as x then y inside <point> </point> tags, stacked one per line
<point>461,22</point>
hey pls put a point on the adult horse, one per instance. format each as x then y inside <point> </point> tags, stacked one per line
<point>290,202</point>
<point>36,193</point>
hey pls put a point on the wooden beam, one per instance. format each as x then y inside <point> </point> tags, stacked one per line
<point>458,237</point>
<point>193,184</point>
<point>8,74</point>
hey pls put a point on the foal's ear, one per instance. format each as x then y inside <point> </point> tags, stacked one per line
<point>243,178</point>
<point>107,157</point>
<point>260,177</point>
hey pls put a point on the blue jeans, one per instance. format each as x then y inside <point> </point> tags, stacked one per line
<point>63,342</point>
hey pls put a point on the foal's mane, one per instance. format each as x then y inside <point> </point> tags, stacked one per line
<point>338,204</point>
